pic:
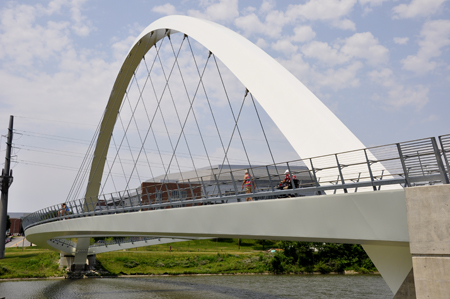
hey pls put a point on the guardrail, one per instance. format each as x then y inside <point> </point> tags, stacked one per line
<point>412,163</point>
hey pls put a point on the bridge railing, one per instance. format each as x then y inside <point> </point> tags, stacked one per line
<point>405,164</point>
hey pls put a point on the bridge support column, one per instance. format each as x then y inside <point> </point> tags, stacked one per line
<point>66,261</point>
<point>428,210</point>
<point>81,254</point>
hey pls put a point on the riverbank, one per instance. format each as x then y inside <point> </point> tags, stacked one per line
<point>200,257</point>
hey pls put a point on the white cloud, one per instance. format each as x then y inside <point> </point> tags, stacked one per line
<point>82,26</point>
<point>372,3</point>
<point>267,6</point>
<point>401,40</point>
<point>397,95</point>
<point>321,9</point>
<point>23,41</point>
<point>303,34</point>
<point>166,9</point>
<point>366,46</point>
<point>285,46</point>
<point>344,24</point>
<point>435,36</point>
<point>430,118</point>
<point>272,26</point>
<point>325,53</point>
<point>250,24</point>
<point>224,10</point>
<point>261,43</point>
<point>344,77</point>
<point>417,8</point>
<point>360,45</point>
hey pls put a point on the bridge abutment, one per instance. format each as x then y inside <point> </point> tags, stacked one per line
<point>428,214</point>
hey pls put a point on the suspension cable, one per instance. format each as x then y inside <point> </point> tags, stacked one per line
<point>209,106</point>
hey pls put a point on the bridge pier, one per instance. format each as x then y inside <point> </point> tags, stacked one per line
<point>65,261</point>
<point>81,259</point>
<point>428,214</point>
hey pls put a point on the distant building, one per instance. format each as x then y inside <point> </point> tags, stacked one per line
<point>223,179</point>
<point>16,222</point>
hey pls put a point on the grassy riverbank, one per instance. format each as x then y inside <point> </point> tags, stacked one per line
<point>31,262</point>
<point>157,263</point>
<point>215,256</point>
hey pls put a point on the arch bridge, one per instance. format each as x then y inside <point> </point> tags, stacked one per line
<point>194,107</point>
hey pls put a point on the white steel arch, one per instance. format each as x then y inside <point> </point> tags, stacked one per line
<point>286,100</point>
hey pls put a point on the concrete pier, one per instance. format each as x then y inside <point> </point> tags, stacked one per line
<point>428,214</point>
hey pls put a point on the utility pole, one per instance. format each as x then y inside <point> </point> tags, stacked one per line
<point>6,181</point>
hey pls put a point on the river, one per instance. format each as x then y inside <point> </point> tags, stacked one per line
<point>232,286</point>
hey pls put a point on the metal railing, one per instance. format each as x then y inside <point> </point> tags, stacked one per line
<point>104,243</point>
<point>405,164</point>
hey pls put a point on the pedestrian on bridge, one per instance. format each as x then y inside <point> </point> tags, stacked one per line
<point>249,184</point>
<point>64,211</point>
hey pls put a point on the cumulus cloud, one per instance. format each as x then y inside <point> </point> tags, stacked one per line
<point>262,43</point>
<point>321,9</point>
<point>303,34</point>
<point>22,41</point>
<point>272,25</point>
<point>166,9</point>
<point>360,46</point>
<point>324,53</point>
<point>340,78</point>
<point>372,2</point>
<point>366,46</point>
<point>435,35</point>
<point>250,24</point>
<point>285,46</point>
<point>224,10</point>
<point>417,8</point>
<point>401,40</point>
<point>398,95</point>
<point>344,24</point>
<point>267,6</point>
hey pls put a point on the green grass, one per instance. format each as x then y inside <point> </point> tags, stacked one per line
<point>212,245</point>
<point>30,263</point>
<point>212,256</point>
<point>151,262</point>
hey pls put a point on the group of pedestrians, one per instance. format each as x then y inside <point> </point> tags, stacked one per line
<point>249,184</point>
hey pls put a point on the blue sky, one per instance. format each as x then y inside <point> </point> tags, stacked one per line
<point>383,67</point>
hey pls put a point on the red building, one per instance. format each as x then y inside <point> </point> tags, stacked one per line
<point>155,193</point>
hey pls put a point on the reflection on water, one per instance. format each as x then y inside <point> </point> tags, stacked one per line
<point>236,286</point>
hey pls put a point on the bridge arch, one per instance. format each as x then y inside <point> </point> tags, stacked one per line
<point>271,84</point>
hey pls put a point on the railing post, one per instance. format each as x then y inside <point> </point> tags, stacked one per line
<point>192,190</point>
<point>405,171</point>
<point>114,203</point>
<point>370,170</point>
<point>315,177</point>
<point>234,184</point>
<point>270,179</point>
<point>290,175</point>
<point>106,203</point>
<point>122,204</point>
<point>340,173</point>
<point>204,187</point>
<point>92,203</point>
<point>437,153</point>
<point>139,196</point>
<point>445,155</point>
<point>71,207</point>
<point>217,183</point>
<point>129,198</point>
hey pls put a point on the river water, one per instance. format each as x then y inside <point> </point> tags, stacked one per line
<point>235,286</point>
